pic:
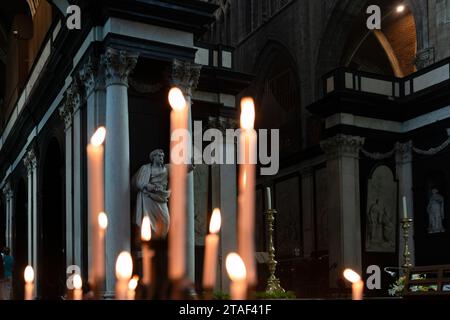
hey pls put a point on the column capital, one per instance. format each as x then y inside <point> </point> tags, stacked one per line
<point>342,145</point>
<point>92,75</point>
<point>7,191</point>
<point>404,152</point>
<point>222,123</point>
<point>118,64</point>
<point>185,75</point>
<point>30,161</point>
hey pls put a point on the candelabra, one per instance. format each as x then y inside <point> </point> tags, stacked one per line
<point>406,224</point>
<point>273,283</point>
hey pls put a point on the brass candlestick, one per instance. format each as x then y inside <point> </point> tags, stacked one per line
<point>406,224</point>
<point>273,283</point>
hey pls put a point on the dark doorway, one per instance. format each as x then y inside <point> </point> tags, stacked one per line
<point>51,246</point>
<point>20,238</point>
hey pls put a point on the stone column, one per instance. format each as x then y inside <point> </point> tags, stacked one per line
<point>403,158</point>
<point>30,162</point>
<point>66,112</point>
<point>307,176</point>
<point>118,65</point>
<point>7,191</point>
<point>73,101</point>
<point>224,196</point>
<point>343,204</point>
<point>93,78</point>
<point>185,76</point>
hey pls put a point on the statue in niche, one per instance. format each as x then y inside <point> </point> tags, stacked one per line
<point>153,195</point>
<point>435,211</point>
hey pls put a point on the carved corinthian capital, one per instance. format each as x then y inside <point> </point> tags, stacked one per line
<point>118,65</point>
<point>342,145</point>
<point>403,152</point>
<point>71,103</point>
<point>7,191</point>
<point>91,75</point>
<point>185,75</point>
<point>30,161</point>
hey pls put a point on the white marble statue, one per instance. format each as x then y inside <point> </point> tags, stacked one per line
<point>435,211</point>
<point>153,195</point>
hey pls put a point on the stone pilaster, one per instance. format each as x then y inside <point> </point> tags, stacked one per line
<point>342,153</point>
<point>185,75</point>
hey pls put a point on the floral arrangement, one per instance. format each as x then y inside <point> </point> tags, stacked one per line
<point>397,289</point>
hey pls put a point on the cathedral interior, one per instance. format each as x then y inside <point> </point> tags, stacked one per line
<point>363,115</point>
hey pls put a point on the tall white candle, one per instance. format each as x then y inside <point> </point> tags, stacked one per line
<point>29,282</point>
<point>211,250</point>
<point>132,285</point>
<point>77,287</point>
<point>357,284</point>
<point>95,172</point>
<point>246,199</point>
<point>405,209</point>
<point>124,270</point>
<point>147,253</point>
<point>269,199</point>
<point>236,271</point>
<point>178,178</point>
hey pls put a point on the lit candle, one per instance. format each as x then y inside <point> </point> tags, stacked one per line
<point>77,285</point>
<point>269,199</point>
<point>95,169</point>
<point>357,284</point>
<point>29,282</point>
<point>237,273</point>
<point>211,249</point>
<point>178,179</point>
<point>147,253</point>
<point>132,285</point>
<point>405,209</point>
<point>124,270</point>
<point>246,200</point>
<point>100,256</point>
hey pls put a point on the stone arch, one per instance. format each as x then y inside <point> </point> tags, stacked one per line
<point>51,222</point>
<point>277,91</point>
<point>341,18</point>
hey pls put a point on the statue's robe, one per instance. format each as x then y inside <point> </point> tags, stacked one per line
<point>152,204</point>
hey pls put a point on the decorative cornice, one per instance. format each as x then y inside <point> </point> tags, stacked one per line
<point>118,64</point>
<point>185,75</point>
<point>342,145</point>
<point>30,161</point>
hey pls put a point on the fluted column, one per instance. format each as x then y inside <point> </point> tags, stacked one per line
<point>342,153</point>
<point>66,113</point>
<point>185,76</point>
<point>118,65</point>
<point>403,157</point>
<point>30,162</point>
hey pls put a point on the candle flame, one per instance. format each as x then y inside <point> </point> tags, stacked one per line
<point>146,230</point>
<point>103,220</point>
<point>216,221</point>
<point>235,267</point>
<point>132,284</point>
<point>351,276</point>
<point>77,282</point>
<point>176,99</point>
<point>29,274</point>
<point>98,137</point>
<point>247,113</point>
<point>124,266</point>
